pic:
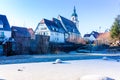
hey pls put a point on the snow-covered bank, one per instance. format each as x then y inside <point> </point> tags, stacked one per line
<point>70,70</point>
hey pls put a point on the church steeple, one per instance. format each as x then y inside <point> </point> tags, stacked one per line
<point>74,18</point>
<point>74,12</point>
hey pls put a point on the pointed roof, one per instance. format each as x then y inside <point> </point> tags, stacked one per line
<point>59,24</point>
<point>5,23</point>
<point>87,35</point>
<point>31,31</point>
<point>105,35</point>
<point>52,26</point>
<point>1,23</point>
<point>69,25</point>
<point>74,12</point>
<point>20,31</point>
<point>94,33</point>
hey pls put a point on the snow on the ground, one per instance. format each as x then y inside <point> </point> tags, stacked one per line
<point>68,70</point>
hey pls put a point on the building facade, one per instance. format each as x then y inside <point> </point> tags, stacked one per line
<point>49,28</point>
<point>22,38</point>
<point>5,36</point>
<point>5,31</point>
<point>91,37</point>
<point>61,29</point>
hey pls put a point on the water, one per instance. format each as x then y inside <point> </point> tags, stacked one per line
<point>114,57</point>
<point>51,58</point>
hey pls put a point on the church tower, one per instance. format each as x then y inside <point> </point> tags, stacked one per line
<point>74,18</point>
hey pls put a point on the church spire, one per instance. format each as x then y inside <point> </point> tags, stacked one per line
<point>74,12</point>
<point>74,18</point>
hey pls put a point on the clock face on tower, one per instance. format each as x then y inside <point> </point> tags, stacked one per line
<point>73,18</point>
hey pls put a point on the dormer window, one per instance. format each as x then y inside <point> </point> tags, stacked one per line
<point>73,30</point>
<point>53,28</point>
<point>56,29</point>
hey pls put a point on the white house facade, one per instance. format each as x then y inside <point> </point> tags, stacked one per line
<point>5,31</point>
<point>57,37</point>
<point>61,29</point>
<point>92,36</point>
<point>49,28</point>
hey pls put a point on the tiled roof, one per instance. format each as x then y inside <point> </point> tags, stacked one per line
<point>52,26</point>
<point>31,31</point>
<point>87,35</point>
<point>95,34</point>
<point>1,23</point>
<point>20,31</point>
<point>69,25</point>
<point>59,24</point>
<point>5,22</point>
<point>105,35</point>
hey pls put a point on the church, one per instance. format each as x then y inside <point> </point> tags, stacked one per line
<point>61,29</point>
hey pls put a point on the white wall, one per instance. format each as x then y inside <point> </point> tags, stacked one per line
<point>1,26</point>
<point>7,34</point>
<point>43,30</point>
<point>91,38</point>
<point>57,37</point>
<point>54,36</point>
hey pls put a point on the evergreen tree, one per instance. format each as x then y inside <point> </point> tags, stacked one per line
<point>115,30</point>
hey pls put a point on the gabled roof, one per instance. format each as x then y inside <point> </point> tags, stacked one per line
<point>69,25</point>
<point>20,31</point>
<point>95,34</point>
<point>105,35</point>
<point>87,35</point>
<point>31,31</point>
<point>52,26</point>
<point>5,22</point>
<point>1,23</point>
<point>56,21</point>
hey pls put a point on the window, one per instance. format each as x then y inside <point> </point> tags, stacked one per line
<point>1,24</point>
<point>2,34</point>
<point>43,28</point>
<point>44,33</point>
<point>57,39</point>
<point>56,29</point>
<point>53,28</point>
<point>73,30</point>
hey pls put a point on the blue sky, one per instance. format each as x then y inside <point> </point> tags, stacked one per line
<point>92,14</point>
